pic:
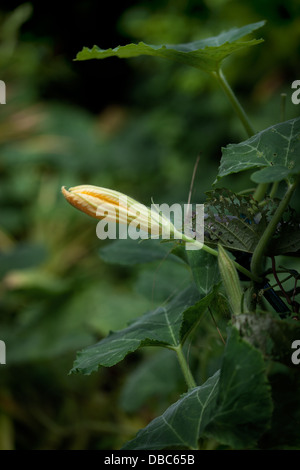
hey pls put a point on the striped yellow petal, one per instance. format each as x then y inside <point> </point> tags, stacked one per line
<point>117,207</point>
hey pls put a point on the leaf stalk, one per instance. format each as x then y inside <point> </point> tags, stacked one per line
<point>185,367</point>
<point>260,250</point>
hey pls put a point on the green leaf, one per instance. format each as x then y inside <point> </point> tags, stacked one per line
<point>182,423</point>
<point>157,376</point>
<point>206,54</point>
<point>272,336</point>
<point>286,239</point>
<point>64,319</point>
<point>244,403</point>
<point>163,326</point>
<point>270,174</point>
<point>284,431</point>
<point>235,221</point>
<point>234,406</point>
<point>23,256</point>
<point>205,270</point>
<point>130,252</point>
<point>160,282</point>
<point>276,150</point>
<point>106,307</point>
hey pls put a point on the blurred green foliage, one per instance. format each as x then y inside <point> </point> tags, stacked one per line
<point>57,294</point>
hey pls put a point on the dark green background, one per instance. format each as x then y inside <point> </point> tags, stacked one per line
<point>136,126</point>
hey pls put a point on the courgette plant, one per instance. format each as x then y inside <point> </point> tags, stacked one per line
<point>251,246</point>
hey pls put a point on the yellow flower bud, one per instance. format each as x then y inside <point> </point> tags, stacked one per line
<point>117,207</point>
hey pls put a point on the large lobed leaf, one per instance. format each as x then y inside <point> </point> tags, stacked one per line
<point>275,150</point>
<point>166,326</point>
<point>233,406</point>
<point>183,422</point>
<point>206,54</point>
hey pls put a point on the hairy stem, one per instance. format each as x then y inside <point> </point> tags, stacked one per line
<point>235,102</point>
<point>216,253</point>
<point>260,250</point>
<point>262,187</point>
<point>260,191</point>
<point>274,189</point>
<point>184,367</point>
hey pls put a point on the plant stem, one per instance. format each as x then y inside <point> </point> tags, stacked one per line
<point>184,367</point>
<point>274,189</point>
<point>216,253</point>
<point>282,106</point>
<point>262,187</point>
<point>259,252</point>
<point>260,191</point>
<point>278,281</point>
<point>235,102</point>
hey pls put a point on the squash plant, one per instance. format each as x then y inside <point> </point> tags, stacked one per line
<point>246,268</point>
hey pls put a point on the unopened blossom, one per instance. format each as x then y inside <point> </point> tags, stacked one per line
<point>117,207</point>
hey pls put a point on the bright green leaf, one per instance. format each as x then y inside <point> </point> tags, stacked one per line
<point>206,54</point>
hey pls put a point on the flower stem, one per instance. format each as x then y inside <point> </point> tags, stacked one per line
<point>259,252</point>
<point>216,253</point>
<point>184,367</point>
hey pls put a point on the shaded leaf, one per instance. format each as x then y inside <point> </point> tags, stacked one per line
<point>286,239</point>
<point>244,403</point>
<point>161,326</point>
<point>194,314</point>
<point>130,252</point>
<point>157,376</point>
<point>272,336</point>
<point>233,406</point>
<point>162,281</point>
<point>183,422</point>
<point>23,256</point>
<point>206,54</point>
<point>284,431</point>
<point>276,150</point>
<point>59,321</point>
<point>205,270</point>
<point>237,222</point>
